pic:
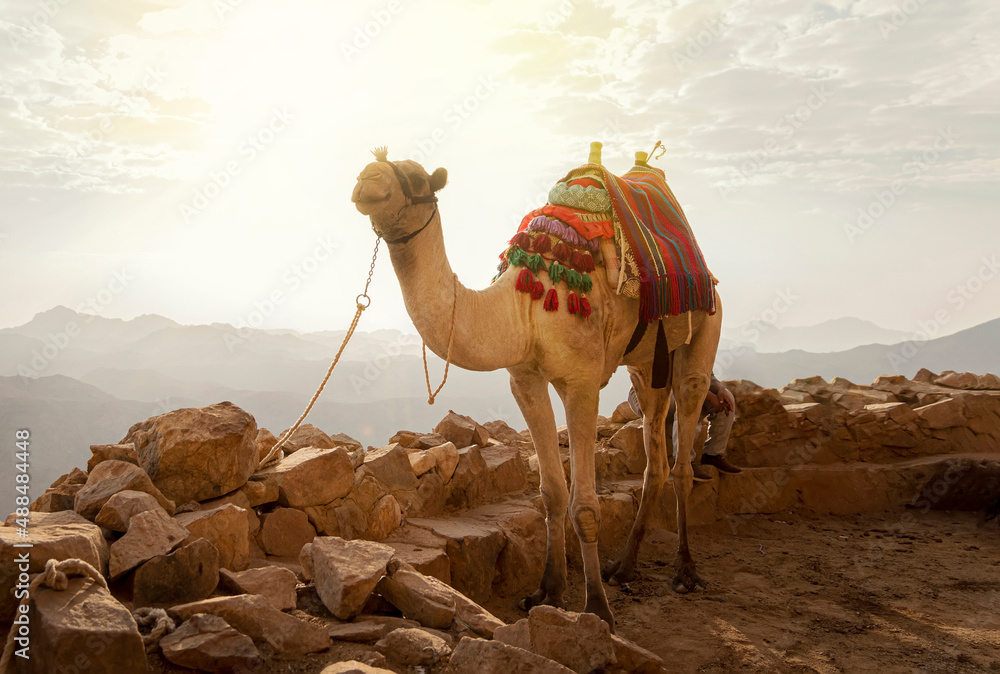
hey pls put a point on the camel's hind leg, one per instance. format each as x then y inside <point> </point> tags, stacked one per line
<point>654,403</point>
<point>532,395</point>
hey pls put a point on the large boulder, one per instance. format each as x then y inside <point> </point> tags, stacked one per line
<point>629,439</point>
<point>430,601</point>
<point>462,430</point>
<point>187,574</point>
<point>254,616</point>
<point>391,467</point>
<point>197,453</point>
<point>446,458</point>
<point>385,517</point>
<point>119,509</point>
<point>226,528</point>
<point>307,435</point>
<point>150,534</point>
<point>522,559</point>
<point>82,628</point>
<point>110,477</point>
<point>208,643</point>
<point>473,547</point>
<point>424,550</point>
<point>479,656</point>
<point>580,641</point>
<point>101,453</point>
<point>285,531</point>
<point>313,476</point>
<point>353,667</point>
<point>346,572</point>
<point>52,536</point>
<point>275,583</point>
<point>942,414</point>
<point>413,646</point>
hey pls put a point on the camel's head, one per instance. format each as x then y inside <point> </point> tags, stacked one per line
<point>386,189</point>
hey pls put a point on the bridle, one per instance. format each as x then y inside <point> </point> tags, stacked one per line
<point>404,184</point>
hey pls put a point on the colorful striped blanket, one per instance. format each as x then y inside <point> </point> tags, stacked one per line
<point>674,278</point>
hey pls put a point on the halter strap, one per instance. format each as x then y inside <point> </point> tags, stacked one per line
<point>404,183</point>
<point>405,239</point>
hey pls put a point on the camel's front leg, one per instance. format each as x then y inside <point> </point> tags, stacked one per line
<point>654,404</point>
<point>531,392</point>
<point>581,401</point>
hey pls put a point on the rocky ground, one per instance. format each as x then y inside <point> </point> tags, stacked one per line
<point>793,593</point>
<point>855,540</point>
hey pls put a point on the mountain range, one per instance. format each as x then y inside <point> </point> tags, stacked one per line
<point>77,379</point>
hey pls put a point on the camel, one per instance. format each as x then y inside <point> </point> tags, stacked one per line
<point>499,327</point>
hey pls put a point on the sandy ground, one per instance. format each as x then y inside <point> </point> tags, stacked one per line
<point>901,591</point>
<point>905,591</point>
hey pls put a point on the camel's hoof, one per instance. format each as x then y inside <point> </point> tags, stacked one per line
<point>618,573</point>
<point>687,579</point>
<point>539,598</point>
<point>603,611</point>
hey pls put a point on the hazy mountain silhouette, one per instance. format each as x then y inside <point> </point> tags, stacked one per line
<point>839,334</point>
<point>89,388</point>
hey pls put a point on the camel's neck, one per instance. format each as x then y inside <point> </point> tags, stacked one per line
<point>489,334</point>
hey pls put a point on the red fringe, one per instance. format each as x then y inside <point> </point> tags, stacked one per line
<point>561,252</point>
<point>521,240</point>
<point>525,282</point>
<point>551,300</point>
<point>588,263</point>
<point>537,290</point>
<point>542,244</point>
<point>584,307</point>
<point>573,303</point>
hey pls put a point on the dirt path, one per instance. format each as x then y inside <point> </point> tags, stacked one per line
<point>892,592</point>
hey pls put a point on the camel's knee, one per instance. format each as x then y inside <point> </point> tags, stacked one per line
<point>656,469</point>
<point>556,503</point>
<point>692,387</point>
<point>587,522</point>
<point>696,382</point>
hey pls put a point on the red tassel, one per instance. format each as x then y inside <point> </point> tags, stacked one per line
<point>537,291</point>
<point>551,300</point>
<point>574,303</point>
<point>588,263</point>
<point>521,240</point>
<point>561,252</point>
<point>576,260</point>
<point>584,307</point>
<point>542,244</point>
<point>524,281</point>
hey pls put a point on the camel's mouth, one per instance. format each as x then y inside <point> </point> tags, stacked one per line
<point>367,197</point>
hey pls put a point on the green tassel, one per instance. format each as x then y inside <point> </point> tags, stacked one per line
<point>556,272</point>
<point>586,285</point>
<point>535,262</point>
<point>516,256</point>
<point>573,278</point>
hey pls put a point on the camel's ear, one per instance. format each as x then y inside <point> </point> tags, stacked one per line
<point>438,179</point>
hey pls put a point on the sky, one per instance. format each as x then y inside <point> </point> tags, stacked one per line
<point>195,158</point>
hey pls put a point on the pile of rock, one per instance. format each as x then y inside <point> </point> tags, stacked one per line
<point>330,542</point>
<point>819,422</point>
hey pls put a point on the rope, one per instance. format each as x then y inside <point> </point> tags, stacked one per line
<point>56,575</point>
<point>451,342</point>
<point>276,449</point>
<point>158,618</point>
